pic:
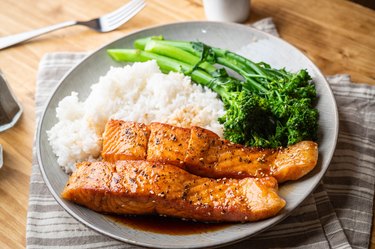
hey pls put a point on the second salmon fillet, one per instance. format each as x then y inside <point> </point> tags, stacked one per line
<point>142,187</point>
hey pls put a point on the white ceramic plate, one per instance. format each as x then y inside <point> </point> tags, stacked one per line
<point>256,45</point>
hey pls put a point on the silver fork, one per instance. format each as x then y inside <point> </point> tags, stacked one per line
<point>106,23</point>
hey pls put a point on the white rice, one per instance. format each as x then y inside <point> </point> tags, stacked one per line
<point>138,93</point>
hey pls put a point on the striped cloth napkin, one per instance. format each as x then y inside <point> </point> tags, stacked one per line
<point>337,215</point>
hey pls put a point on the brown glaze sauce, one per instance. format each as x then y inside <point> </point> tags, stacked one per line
<point>167,225</point>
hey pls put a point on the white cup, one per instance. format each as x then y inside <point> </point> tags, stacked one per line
<point>227,10</point>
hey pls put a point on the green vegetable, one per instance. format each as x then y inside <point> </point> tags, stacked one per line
<point>267,108</point>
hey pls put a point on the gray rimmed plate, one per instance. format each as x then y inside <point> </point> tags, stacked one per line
<point>252,43</point>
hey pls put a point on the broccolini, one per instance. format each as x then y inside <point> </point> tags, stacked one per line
<point>266,108</point>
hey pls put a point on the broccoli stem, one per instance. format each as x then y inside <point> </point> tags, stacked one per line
<point>249,78</point>
<point>167,64</point>
<point>141,43</point>
<point>159,47</point>
<point>179,51</point>
<point>191,52</point>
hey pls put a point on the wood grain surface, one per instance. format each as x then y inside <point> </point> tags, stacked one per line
<point>339,36</point>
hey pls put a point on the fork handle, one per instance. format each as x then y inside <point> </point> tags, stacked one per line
<point>11,40</point>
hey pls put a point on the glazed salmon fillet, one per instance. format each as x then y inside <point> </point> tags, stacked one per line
<point>168,143</point>
<point>211,156</point>
<point>125,140</point>
<point>142,187</point>
<point>204,153</point>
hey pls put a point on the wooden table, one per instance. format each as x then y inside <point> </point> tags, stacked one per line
<point>339,36</point>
